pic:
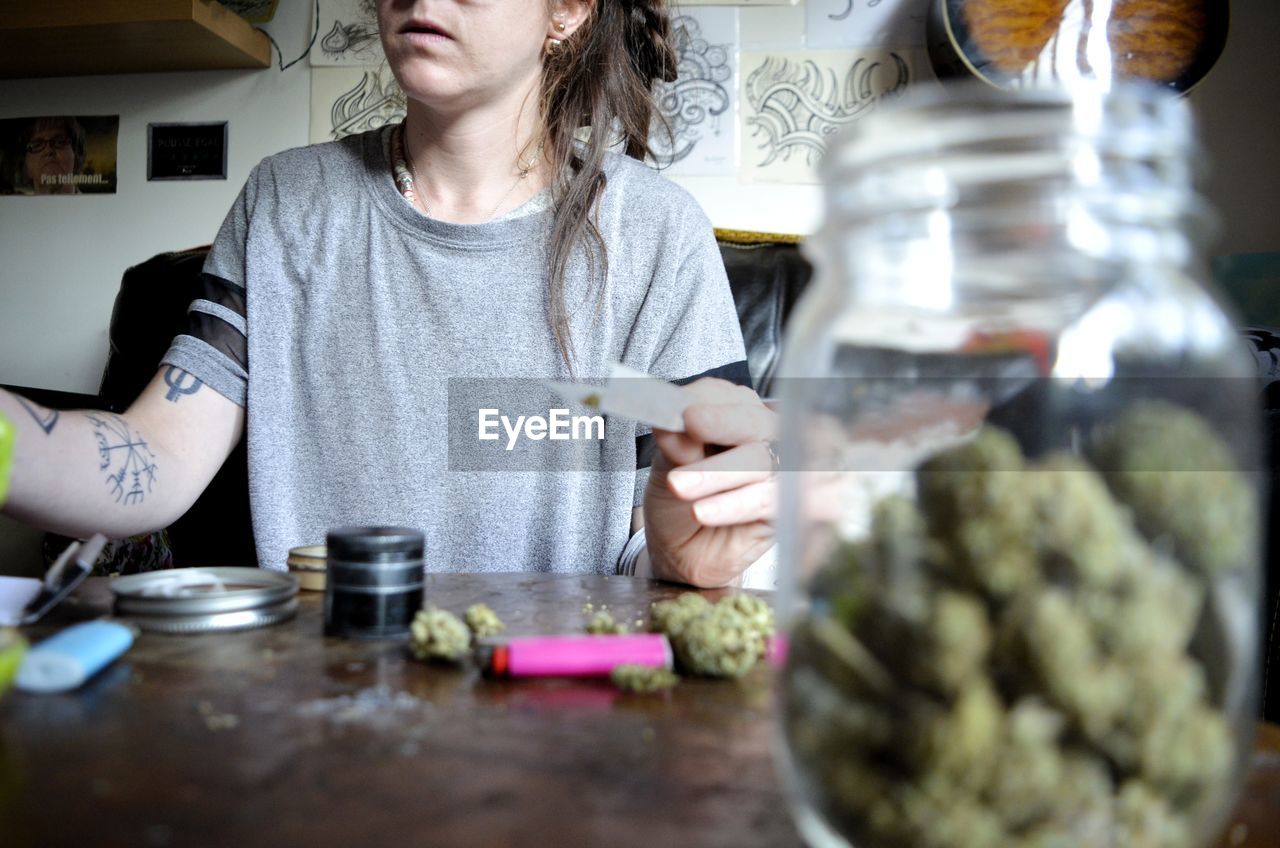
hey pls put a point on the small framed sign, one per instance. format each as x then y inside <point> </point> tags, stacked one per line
<point>187,151</point>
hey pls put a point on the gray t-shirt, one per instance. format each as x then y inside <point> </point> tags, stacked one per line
<point>363,337</point>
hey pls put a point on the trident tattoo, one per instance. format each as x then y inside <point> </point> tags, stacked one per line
<point>174,378</point>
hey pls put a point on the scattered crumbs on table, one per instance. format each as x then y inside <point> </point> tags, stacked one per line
<point>604,624</point>
<point>221,721</point>
<point>642,678</point>
<point>648,734</point>
<point>372,705</point>
<point>215,720</point>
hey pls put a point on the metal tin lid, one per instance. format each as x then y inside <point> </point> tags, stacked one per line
<point>220,622</point>
<point>201,591</point>
<point>374,543</point>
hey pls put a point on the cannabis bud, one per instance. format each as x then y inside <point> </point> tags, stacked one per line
<point>437,634</point>
<point>643,678</point>
<point>1014,662</point>
<point>483,621</point>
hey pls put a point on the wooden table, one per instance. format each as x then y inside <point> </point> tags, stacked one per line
<point>280,737</point>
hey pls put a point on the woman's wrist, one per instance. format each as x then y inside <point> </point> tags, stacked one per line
<point>634,559</point>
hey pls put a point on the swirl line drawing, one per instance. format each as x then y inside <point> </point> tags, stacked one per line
<point>799,106</point>
<point>848,9</point>
<point>368,105</point>
<point>689,108</point>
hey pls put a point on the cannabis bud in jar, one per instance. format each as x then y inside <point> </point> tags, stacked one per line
<point>1013,662</point>
<point>1019,539</point>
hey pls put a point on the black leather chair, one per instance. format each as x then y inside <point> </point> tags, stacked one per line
<point>767,275</point>
<point>150,309</point>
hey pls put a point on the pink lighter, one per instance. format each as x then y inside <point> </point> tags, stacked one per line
<point>574,656</point>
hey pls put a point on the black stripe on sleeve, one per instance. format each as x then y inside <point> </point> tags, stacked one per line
<point>212,329</point>
<point>734,372</point>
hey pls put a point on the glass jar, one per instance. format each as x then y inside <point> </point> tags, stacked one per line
<point>1019,531</point>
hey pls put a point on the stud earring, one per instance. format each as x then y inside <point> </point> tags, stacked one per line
<point>559,26</point>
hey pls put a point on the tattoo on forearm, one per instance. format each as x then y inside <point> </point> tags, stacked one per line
<point>46,418</point>
<point>128,461</point>
<point>180,383</point>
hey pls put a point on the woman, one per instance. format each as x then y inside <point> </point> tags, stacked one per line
<point>366,298</point>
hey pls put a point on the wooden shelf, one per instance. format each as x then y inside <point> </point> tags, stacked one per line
<point>57,38</point>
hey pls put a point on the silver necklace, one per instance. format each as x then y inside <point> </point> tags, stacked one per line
<point>524,169</point>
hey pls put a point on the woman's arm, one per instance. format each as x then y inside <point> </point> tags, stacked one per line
<point>86,471</point>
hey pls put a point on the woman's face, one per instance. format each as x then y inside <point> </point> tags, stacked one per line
<point>50,154</point>
<point>461,52</point>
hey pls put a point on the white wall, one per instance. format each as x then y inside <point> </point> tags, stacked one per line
<point>61,257</point>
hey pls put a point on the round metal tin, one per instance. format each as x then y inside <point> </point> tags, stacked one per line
<point>307,558</point>
<point>201,591</point>
<point>220,622</point>
<point>312,581</point>
<point>308,563</point>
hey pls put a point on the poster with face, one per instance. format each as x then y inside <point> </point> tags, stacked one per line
<point>58,155</point>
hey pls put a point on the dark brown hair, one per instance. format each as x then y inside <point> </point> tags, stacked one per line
<point>600,79</point>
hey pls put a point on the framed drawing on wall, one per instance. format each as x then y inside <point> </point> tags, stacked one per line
<point>187,151</point>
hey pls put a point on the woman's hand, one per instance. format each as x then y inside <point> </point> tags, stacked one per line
<point>710,515</point>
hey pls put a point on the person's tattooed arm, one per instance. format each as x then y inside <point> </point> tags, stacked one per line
<point>85,471</point>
